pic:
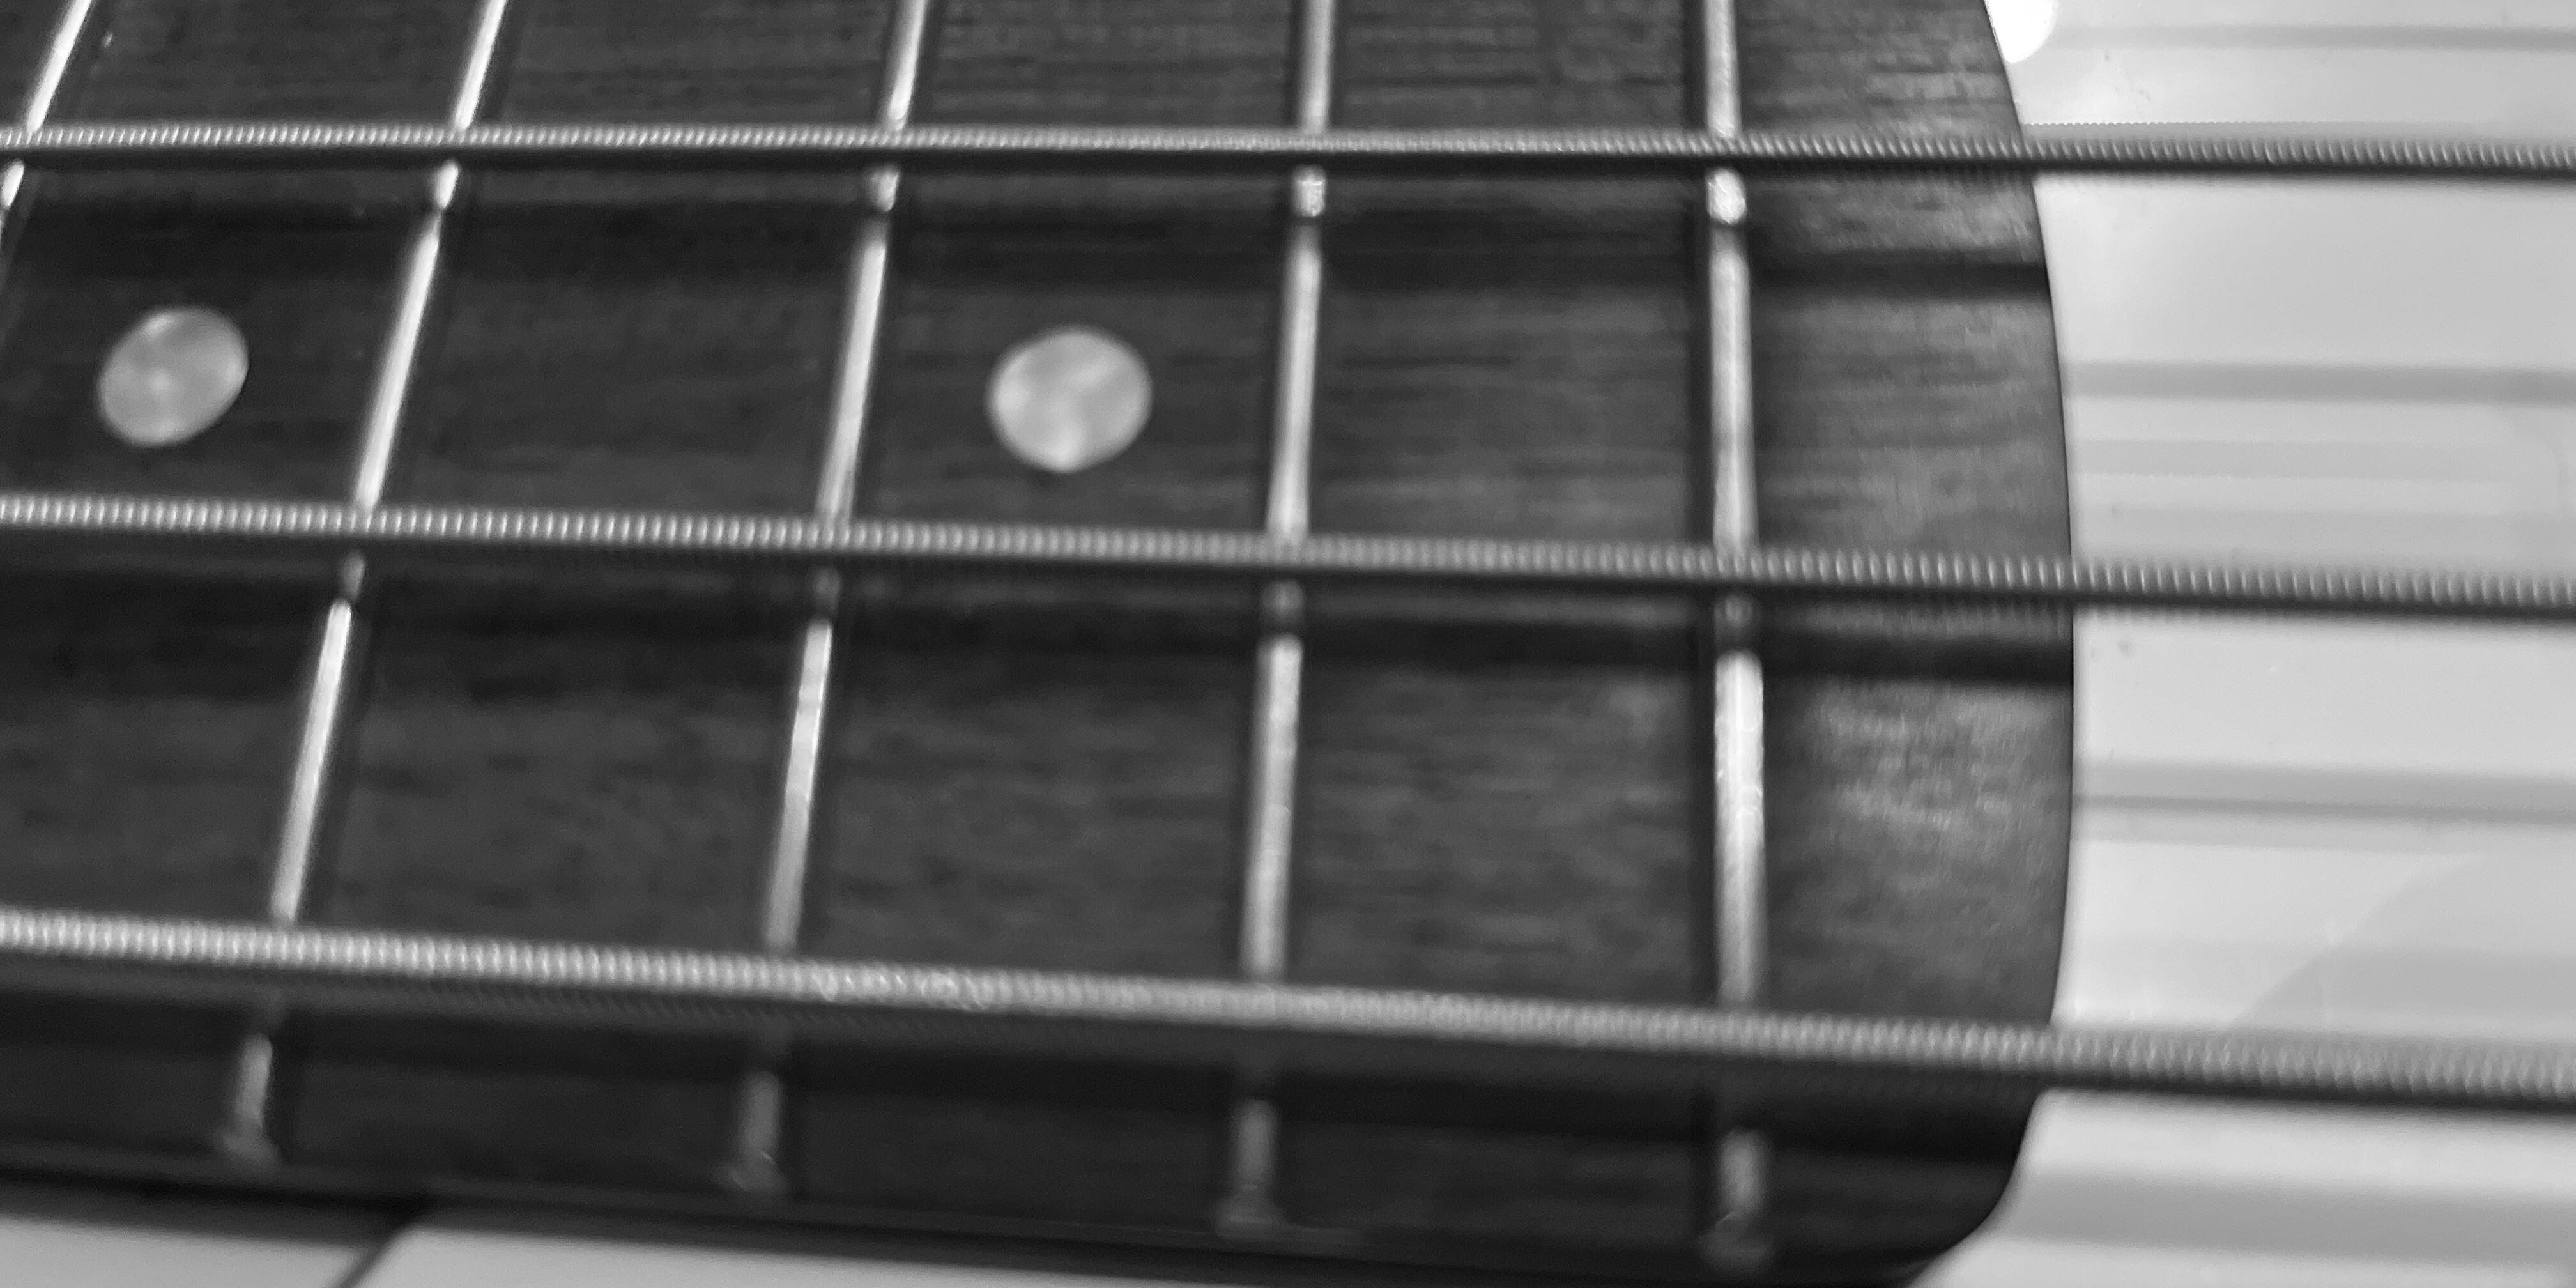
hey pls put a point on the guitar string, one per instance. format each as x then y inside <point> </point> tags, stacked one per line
<point>328,710</point>
<point>2077,148</point>
<point>1995,579</point>
<point>761,1107</point>
<point>1599,1043</point>
<point>1250,1204</point>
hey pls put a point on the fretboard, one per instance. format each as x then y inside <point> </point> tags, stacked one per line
<point>1633,792</point>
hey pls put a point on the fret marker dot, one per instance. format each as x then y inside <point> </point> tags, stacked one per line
<point>1069,399</point>
<point>172,376</point>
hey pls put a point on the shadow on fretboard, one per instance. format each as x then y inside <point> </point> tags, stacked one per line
<point>1494,796</point>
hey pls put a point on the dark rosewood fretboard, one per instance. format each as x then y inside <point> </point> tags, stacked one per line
<point>1504,794</point>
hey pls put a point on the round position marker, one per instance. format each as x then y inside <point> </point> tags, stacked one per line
<point>171,376</point>
<point>1069,399</point>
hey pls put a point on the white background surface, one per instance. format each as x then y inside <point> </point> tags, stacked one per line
<point>2283,824</point>
<point>2304,825</point>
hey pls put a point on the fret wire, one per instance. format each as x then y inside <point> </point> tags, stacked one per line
<point>1740,1173</point>
<point>1251,1202</point>
<point>44,94</point>
<point>246,1135</point>
<point>754,1168</point>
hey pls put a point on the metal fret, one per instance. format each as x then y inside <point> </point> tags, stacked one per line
<point>1251,1202</point>
<point>1741,1174</point>
<point>329,705</point>
<point>44,95</point>
<point>759,1117</point>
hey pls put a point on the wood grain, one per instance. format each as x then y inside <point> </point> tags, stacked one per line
<point>1500,796</point>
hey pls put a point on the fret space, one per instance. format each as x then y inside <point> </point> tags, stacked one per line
<point>777,60</point>
<point>304,263</point>
<point>1481,1162</point>
<point>263,60</point>
<point>1041,777</point>
<point>146,727</point>
<point>647,341</point>
<point>1498,805</point>
<point>1052,1139</point>
<point>25,30</point>
<point>1508,357</point>
<point>309,286</point>
<point>140,1076</point>
<point>601,351</point>
<point>566,758</point>
<point>1110,62</point>
<point>276,59</point>
<point>145,734</point>
<point>1184,271</point>
<point>550,758</point>
<point>1498,802</point>
<point>493,1101</point>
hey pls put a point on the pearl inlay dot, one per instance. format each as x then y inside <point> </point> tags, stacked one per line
<point>1069,399</point>
<point>172,376</point>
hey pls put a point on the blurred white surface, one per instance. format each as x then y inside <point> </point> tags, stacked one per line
<point>62,1238</point>
<point>2312,825</point>
<point>443,1253</point>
